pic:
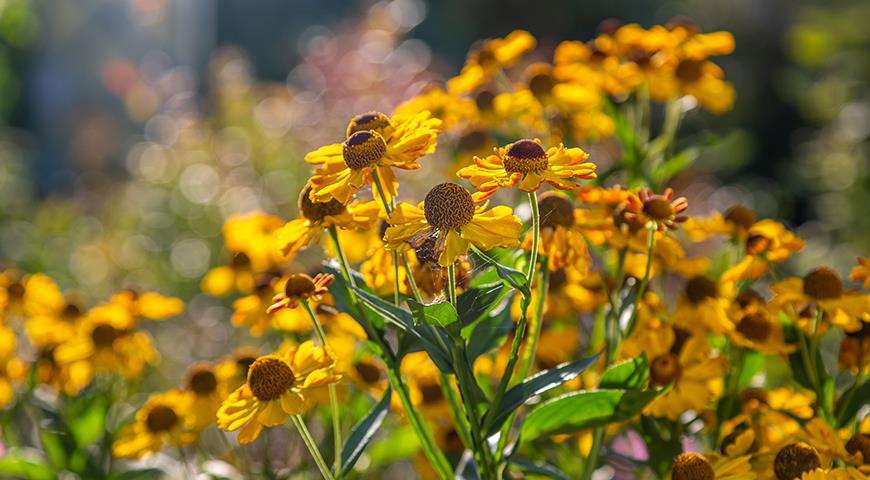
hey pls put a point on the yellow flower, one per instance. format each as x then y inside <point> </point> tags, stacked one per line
<point>375,144</point>
<point>424,385</point>
<point>665,211</point>
<point>861,272</point>
<point>253,235</point>
<point>703,307</point>
<point>278,385</point>
<point>251,310</point>
<point>378,269</point>
<point>12,368</point>
<point>828,443</point>
<point>683,361</point>
<point>766,241</point>
<point>579,63</point>
<point>316,216</point>
<point>757,330</point>
<point>561,243</point>
<point>736,223</point>
<point>822,289</point>
<point>150,305</point>
<point>447,221</point>
<point>106,342</point>
<point>232,370</point>
<point>299,287</point>
<point>237,276</point>
<point>52,327</point>
<point>694,466</point>
<point>207,391</point>
<point>492,56</point>
<point>525,162</point>
<point>165,419</point>
<point>452,110</point>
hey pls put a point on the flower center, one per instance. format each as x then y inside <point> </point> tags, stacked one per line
<point>431,393</point>
<point>541,84</point>
<point>240,261</point>
<point>658,208</point>
<point>740,216</point>
<point>795,459</point>
<point>753,395</point>
<point>202,381</point>
<point>700,288</point>
<point>368,121</point>
<point>749,297</point>
<point>664,369</point>
<point>15,290</point>
<point>860,442</point>
<point>71,311</point>
<point>317,211</point>
<point>755,327</point>
<point>689,71</point>
<point>756,244</point>
<point>161,419</point>
<point>555,210</point>
<point>363,149</point>
<point>558,278</point>
<point>691,466</point>
<point>299,286</point>
<point>269,377</point>
<point>823,283</point>
<point>448,206</point>
<point>484,100</point>
<point>104,335</point>
<point>624,218</point>
<point>368,371</point>
<point>525,156</point>
<point>244,364</point>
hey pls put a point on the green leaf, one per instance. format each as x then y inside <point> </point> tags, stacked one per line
<point>390,312</point>
<point>513,277</point>
<point>676,164</point>
<point>851,401</point>
<point>442,313</point>
<point>753,362</point>
<point>25,464</point>
<point>400,444</point>
<point>489,332</point>
<point>54,448</point>
<point>628,375</point>
<point>140,474</point>
<point>662,443</point>
<point>586,409</point>
<point>87,424</point>
<point>538,469</point>
<point>363,432</point>
<point>536,385</point>
<point>340,292</point>
<point>475,304</point>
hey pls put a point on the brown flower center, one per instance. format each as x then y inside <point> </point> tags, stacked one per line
<point>448,206</point>
<point>363,149</point>
<point>756,244</point>
<point>525,156</point>
<point>664,369</point>
<point>658,208</point>
<point>240,261</point>
<point>558,278</point>
<point>161,418</point>
<point>299,286</point>
<point>689,71</point>
<point>244,363</point>
<point>431,393</point>
<point>691,466</point>
<point>368,371</point>
<point>823,283</point>
<point>104,335</point>
<point>701,288</point>
<point>473,140</point>
<point>317,211</point>
<point>555,210</point>
<point>749,297</point>
<point>202,381</point>
<point>484,100</point>
<point>368,121</point>
<point>541,84</point>
<point>755,327</point>
<point>794,459</point>
<point>753,395</point>
<point>740,216</point>
<point>15,290</point>
<point>71,311</point>
<point>860,442</point>
<point>269,377</point>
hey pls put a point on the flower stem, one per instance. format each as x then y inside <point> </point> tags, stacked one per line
<point>333,396</point>
<point>536,237</point>
<point>312,446</point>
<point>424,435</point>
<point>451,283</point>
<point>527,358</point>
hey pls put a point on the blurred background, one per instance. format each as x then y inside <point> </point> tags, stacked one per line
<point>129,129</point>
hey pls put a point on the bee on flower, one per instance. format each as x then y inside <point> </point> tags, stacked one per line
<point>451,219</point>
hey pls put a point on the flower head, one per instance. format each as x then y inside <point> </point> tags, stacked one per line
<point>527,163</point>
<point>663,210</point>
<point>300,287</point>
<point>165,419</point>
<point>277,386</point>
<point>447,221</point>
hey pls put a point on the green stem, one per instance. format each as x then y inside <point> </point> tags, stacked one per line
<point>421,429</point>
<point>333,396</point>
<point>413,283</point>
<point>451,283</point>
<point>536,237</point>
<point>527,358</point>
<point>641,291</point>
<point>312,447</point>
<point>594,452</point>
<point>397,285</point>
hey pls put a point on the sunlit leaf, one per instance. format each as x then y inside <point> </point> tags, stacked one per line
<point>363,432</point>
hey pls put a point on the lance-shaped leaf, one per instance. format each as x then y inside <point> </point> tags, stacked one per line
<point>586,409</point>
<point>442,314</point>
<point>475,304</point>
<point>628,375</point>
<point>341,295</point>
<point>536,385</point>
<point>513,277</point>
<point>363,432</point>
